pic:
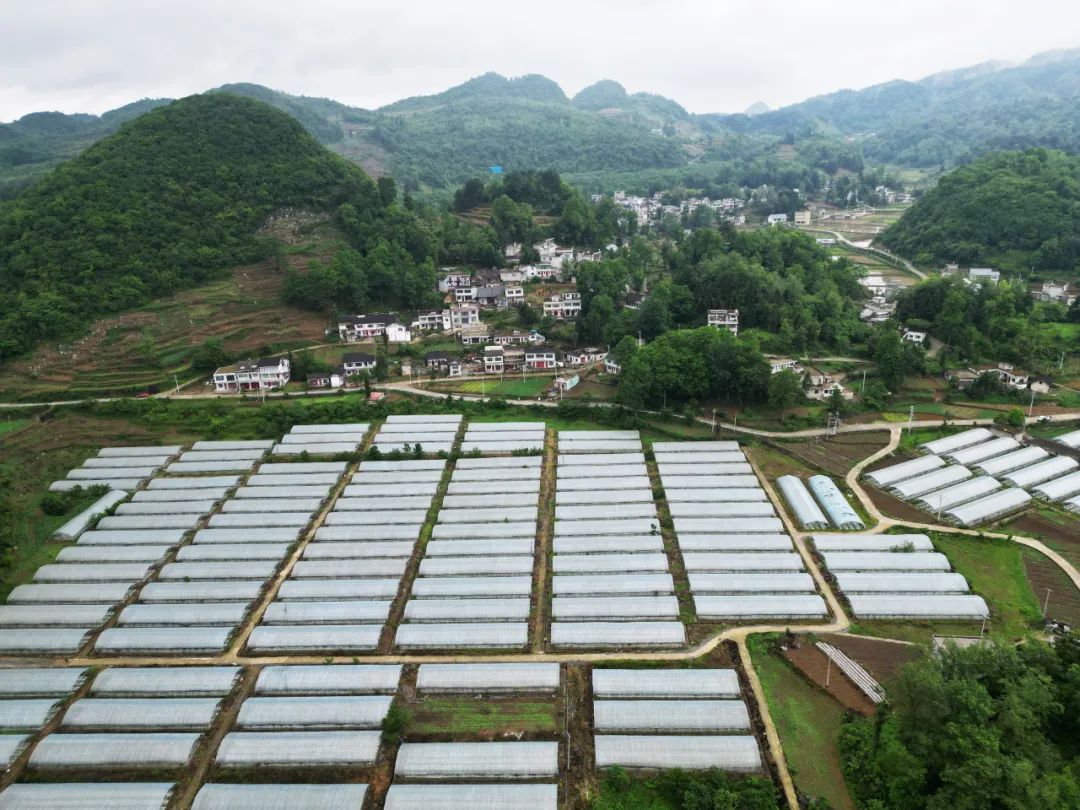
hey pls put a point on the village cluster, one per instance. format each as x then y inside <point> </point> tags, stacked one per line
<point>487,351</point>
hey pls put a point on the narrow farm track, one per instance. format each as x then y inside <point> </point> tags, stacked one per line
<point>545,531</point>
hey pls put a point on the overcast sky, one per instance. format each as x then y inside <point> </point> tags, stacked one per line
<point>709,55</point>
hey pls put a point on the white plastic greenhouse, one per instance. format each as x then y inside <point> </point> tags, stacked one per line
<point>226,796</point>
<point>750,583</point>
<point>922,606</point>
<point>293,749</point>
<point>736,753</point>
<point>665,683</point>
<point>482,760</point>
<point>313,712</point>
<point>617,634</point>
<point>805,511</point>
<point>670,716</point>
<point>760,606</point>
<point>958,440</point>
<point>1012,461</point>
<point>444,635</point>
<point>921,484</point>
<point>989,508</point>
<point>88,796</point>
<point>165,681</point>
<point>837,561</point>
<point>960,493</point>
<point>902,583</point>
<point>1058,489</point>
<point>905,469</point>
<point>488,678</point>
<point>472,797</point>
<point>141,714</point>
<point>1043,471</point>
<point>113,751</point>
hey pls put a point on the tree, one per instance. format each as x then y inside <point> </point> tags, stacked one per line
<point>837,403</point>
<point>889,356</point>
<point>209,356</point>
<point>785,389</point>
<point>876,395</point>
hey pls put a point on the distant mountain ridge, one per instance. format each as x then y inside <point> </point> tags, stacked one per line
<point>441,139</point>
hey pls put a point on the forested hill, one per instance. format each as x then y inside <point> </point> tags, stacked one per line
<point>168,201</point>
<point>528,122</point>
<point>945,118</point>
<point>34,144</point>
<point>1011,210</point>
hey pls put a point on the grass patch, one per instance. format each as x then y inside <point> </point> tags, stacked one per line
<point>808,722</point>
<point>481,716</point>
<point>528,388</point>
<point>10,425</point>
<point>995,571</point>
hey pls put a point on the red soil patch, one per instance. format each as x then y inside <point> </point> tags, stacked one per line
<point>814,665</point>
<point>882,659</point>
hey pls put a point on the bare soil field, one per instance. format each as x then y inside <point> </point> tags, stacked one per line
<point>145,347</point>
<point>814,665</point>
<point>882,659</point>
<point>838,454</point>
<point>1063,604</point>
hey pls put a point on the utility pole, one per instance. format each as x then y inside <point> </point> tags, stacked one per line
<point>176,382</point>
<point>910,417</point>
<point>863,389</point>
<point>828,670</point>
<point>715,424</point>
<point>1046,602</point>
<point>1031,406</point>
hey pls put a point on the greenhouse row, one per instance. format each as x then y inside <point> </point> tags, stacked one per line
<point>611,582</point>
<point>736,754</point>
<point>338,595</point>
<point>329,440</point>
<point>473,584</point>
<point>433,434</point>
<point>503,438</point>
<point>692,719</point>
<point>740,561</point>
<point>70,598</point>
<point>472,797</point>
<point>599,441</point>
<point>897,576</point>
<point>670,716</point>
<point>477,760</point>
<point>119,468</point>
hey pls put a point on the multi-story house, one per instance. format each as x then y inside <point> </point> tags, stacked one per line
<point>725,319</point>
<point>494,362</point>
<point>352,328</point>
<point>536,359</point>
<point>490,296</point>
<point>453,280</point>
<point>563,306</point>
<point>514,295</point>
<point>460,316</point>
<point>429,321</point>
<point>263,374</point>
<point>476,335</point>
<point>357,362</point>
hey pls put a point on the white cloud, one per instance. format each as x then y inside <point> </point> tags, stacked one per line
<point>710,55</point>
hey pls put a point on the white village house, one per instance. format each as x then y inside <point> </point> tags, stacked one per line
<point>352,328</point>
<point>263,374</point>
<point>725,319</point>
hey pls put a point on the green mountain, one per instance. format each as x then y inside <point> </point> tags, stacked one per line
<point>169,200</point>
<point>37,142</point>
<point>1012,210</point>
<point>946,118</point>
<point>442,140</point>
